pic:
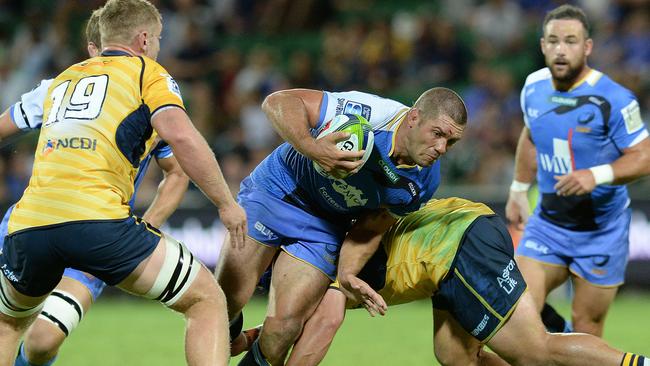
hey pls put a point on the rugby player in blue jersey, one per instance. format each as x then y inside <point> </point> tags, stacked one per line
<point>583,140</point>
<point>300,218</point>
<point>73,297</point>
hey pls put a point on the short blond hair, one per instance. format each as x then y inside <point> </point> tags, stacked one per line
<point>92,28</point>
<point>121,20</point>
<point>442,101</point>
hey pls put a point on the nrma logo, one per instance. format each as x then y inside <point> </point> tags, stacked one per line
<point>560,161</point>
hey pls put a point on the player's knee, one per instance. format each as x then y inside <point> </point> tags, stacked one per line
<point>204,292</point>
<point>42,343</point>
<point>534,351</point>
<point>447,357</point>
<point>281,332</point>
<point>588,323</point>
<point>328,323</point>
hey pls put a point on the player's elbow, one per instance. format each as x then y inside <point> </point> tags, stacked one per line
<point>273,101</point>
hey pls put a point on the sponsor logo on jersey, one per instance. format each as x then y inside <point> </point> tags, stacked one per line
<point>388,171</point>
<point>532,112</point>
<point>506,282</point>
<point>560,161</point>
<point>351,194</point>
<point>632,117</point>
<point>172,85</point>
<point>76,143</point>
<point>329,199</point>
<point>351,107</point>
<point>479,328</point>
<point>571,102</point>
<point>9,273</point>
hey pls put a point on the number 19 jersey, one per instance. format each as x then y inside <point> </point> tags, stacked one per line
<point>96,130</point>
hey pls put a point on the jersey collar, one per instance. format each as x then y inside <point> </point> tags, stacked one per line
<point>115,53</point>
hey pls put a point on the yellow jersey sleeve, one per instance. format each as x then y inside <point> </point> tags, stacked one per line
<point>159,89</point>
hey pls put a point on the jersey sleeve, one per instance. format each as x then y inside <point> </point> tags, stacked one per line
<point>28,112</point>
<point>162,151</point>
<point>626,127</point>
<point>522,103</point>
<point>375,109</point>
<point>159,89</point>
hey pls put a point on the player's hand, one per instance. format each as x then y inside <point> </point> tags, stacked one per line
<point>359,292</point>
<point>575,183</point>
<point>517,209</point>
<point>333,160</point>
<point>233,218</point>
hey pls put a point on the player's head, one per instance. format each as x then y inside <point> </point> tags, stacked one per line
<point>93,37</point>
<point>134,24</point>
<point>565,42</point>
<point>434,123</point>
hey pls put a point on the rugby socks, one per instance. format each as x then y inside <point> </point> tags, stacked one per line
<point>254,357</point>
<point>21,359</point>
<point>630,359</point>
<point>554,322</point>
<point>236,325</point>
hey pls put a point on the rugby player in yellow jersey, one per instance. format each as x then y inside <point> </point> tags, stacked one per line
<point>101,117</point>
<point>459,254</point>
<point>74,295</point>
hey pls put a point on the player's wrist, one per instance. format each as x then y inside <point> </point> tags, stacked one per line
<point>518,186</point>
<point>603,174</point>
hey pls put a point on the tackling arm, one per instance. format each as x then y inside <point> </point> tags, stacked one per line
<point>170,192</point>
<point>359,245</point>
<point>197,160</point>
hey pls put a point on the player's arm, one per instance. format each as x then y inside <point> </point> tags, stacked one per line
<point>359,245</point>
<point>634,163</point>
<point>525,170</point>
<point>170,192</point>
<point>293,113</point>
<point>198,161</point>
<point>7,126</point>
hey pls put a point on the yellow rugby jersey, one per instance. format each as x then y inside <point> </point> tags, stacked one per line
<point>96,129</point>
<point>421,247</point>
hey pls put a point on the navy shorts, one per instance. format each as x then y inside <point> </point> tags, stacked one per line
<point>34,259</point>
<point>484,283</point>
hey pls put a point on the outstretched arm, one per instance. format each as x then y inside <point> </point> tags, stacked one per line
<point>170,192</point>
<point>198,161</point>
<point>7,126</point>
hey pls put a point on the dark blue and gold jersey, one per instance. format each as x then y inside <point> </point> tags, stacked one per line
<point>96,130</point>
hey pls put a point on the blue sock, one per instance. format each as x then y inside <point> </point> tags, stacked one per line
<point>21,359</point>
<point>254,357</point>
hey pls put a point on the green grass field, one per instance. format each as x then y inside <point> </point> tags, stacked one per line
<point>137,332</point>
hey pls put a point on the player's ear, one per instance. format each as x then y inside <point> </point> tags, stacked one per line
<point>589,45</point>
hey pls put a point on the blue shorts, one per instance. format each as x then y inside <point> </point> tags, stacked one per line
<point>277,223</point>
<point>34,259</point>
<point>94,285</point>
<point>598,256</point>
<point>484,284</point>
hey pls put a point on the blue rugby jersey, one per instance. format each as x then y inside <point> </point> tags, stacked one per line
<point>588,125</point>
<point>401,189</point>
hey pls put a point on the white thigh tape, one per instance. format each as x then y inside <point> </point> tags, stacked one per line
<point>10,306</point>
<point>62,309</point>
<point>176,275</point>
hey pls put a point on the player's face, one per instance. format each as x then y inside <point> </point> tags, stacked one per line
<point>565,48</point>
<point>430,139</point>
<point>153,42</point>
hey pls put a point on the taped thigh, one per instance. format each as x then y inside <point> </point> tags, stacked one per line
<point>10,306</point>
<point>176,275</point>
<point>63,310</point>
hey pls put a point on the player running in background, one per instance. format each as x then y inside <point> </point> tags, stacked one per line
<point>77,291</point>
<point>585,139</point>
<point>459,254</point>
<point>302,217</point>
<point>101,117</point>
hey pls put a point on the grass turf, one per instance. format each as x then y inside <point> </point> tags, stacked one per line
<point>129,332</point>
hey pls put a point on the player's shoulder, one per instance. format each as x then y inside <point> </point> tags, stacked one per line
<point>538,76</point>
<point>611,90</point>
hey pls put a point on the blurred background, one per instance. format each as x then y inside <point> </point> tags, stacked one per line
<point>227,55</point>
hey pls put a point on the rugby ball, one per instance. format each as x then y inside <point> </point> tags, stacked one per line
<point>361,137</point>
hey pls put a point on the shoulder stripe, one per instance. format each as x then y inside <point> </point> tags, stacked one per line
<point>538,75</point>
<point>593,77</point>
